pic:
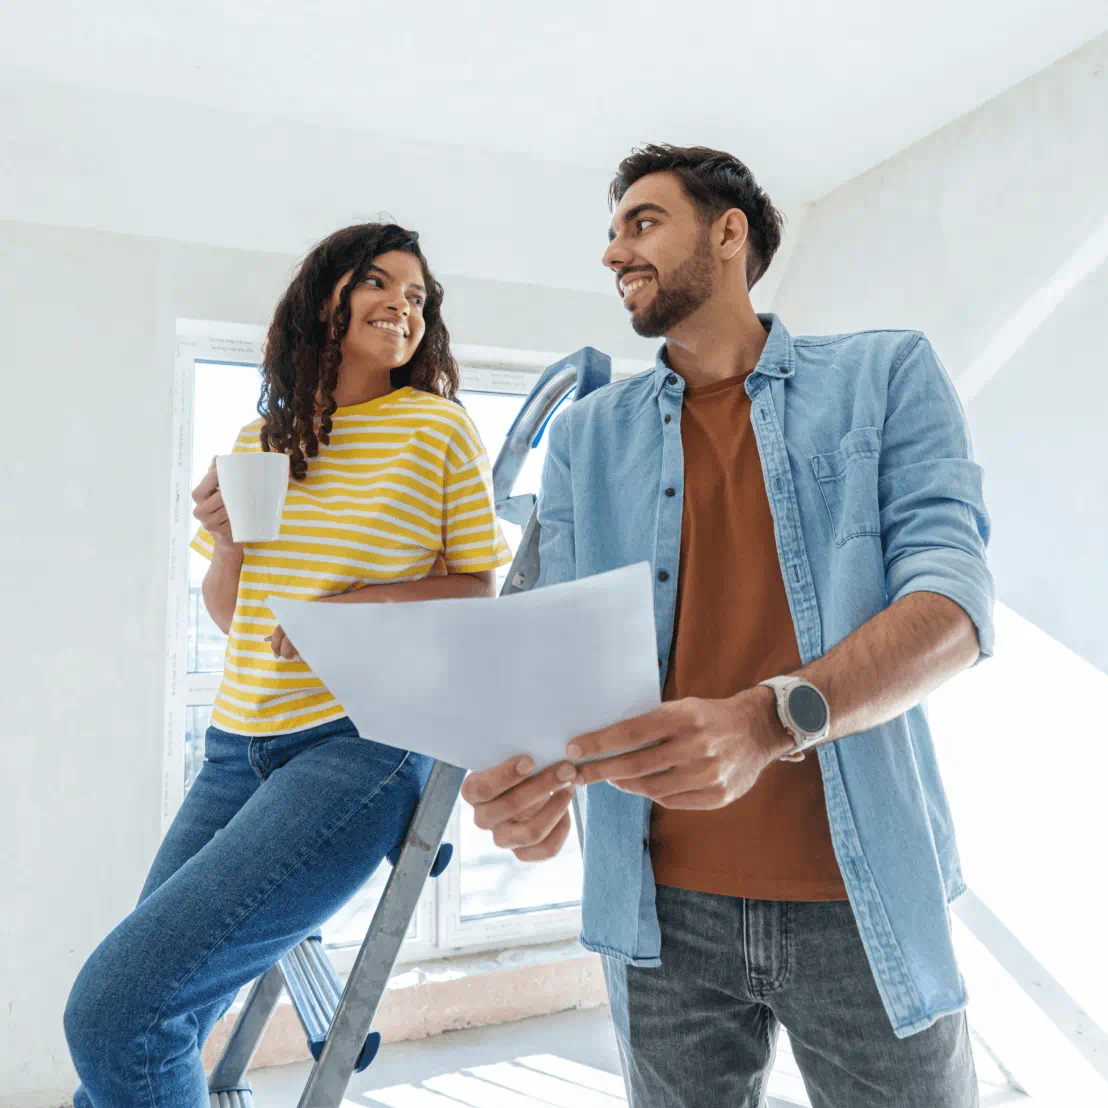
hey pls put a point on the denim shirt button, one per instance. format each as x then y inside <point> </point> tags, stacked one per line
<point>671,379</point>
<point>663,575</point>
<point>671,492</point>
<point>667,419</point>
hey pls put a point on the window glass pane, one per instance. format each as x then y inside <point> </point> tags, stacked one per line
<point>348,926</point>
<point>225,399</point>
<point>197,718</point>
<point>493,881</point>
<point>493,413</point>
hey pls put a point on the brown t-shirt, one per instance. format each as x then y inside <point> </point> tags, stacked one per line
<point>733,629</point>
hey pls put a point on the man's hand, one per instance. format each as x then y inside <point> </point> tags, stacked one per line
<point>529,815</point>
<point>707,753</point>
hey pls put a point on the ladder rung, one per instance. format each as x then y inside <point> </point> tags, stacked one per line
<point>322,970</point>
<point>314,1019</point>
<point>232,1098</point>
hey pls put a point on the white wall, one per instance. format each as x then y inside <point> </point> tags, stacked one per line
<point>88,322</point>
<point>957,237</point>
<point>966,235</point>
<point>91,158</point>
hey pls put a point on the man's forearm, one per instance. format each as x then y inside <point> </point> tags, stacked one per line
<point>458,586</point>
<point>893,661</point>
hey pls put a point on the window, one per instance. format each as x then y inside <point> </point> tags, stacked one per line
<point>486,898</point>
<point>494,896</point>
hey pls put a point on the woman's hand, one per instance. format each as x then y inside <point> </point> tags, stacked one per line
<point>527,815</point>
<point>282,648</point>
<point>210,511</point>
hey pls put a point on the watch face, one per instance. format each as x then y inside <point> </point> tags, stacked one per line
<point>807,708</point>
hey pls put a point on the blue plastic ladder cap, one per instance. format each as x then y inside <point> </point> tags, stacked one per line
<point>442,859</point>
<point>369,1051</point>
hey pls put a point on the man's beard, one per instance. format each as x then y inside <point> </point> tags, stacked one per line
<point>688,289</point>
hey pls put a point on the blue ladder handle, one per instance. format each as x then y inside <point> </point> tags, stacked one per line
<point>594,370</point>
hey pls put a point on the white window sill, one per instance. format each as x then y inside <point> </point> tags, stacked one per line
<point>447,994</point>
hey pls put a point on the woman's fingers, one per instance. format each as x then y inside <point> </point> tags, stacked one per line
<point>208,484</point>
<point>210,511</point>
<point>280,645</point>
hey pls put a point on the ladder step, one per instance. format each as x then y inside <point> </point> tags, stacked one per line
<point>315,991</point>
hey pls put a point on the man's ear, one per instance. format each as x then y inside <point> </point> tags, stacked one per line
<point>733,230</point>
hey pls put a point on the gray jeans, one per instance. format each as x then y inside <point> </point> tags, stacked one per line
<point>700,1032</point>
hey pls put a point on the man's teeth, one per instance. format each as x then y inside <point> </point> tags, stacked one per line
<point>387,326</point>
<point>636,284</point>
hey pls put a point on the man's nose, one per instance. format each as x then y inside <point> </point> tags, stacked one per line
<point>615,257</point>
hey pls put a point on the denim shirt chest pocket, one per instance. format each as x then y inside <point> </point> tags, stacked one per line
<point>847,480</point>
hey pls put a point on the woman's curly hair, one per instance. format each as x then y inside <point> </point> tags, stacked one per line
<point>303,353</point>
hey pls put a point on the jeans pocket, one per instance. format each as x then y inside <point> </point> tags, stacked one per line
<point>847,480</point>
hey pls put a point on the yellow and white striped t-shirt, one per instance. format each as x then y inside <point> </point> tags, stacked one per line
<point>402,491</point>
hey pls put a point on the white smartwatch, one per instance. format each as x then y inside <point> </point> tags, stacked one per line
<point>803,711</point>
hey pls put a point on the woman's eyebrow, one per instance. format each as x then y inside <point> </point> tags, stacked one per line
<point>381,269</point>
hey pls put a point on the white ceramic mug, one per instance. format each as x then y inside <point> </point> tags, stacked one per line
<point>253,487</point>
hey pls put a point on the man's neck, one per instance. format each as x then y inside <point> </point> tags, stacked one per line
<point>721,340</point>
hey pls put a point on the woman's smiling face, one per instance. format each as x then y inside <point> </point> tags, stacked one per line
<point>386,311</point>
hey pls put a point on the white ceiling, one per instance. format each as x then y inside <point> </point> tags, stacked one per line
<point>810,93</point>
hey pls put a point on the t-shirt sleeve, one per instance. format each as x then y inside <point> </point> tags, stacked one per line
<point>471,536</point>
<point>203,544</point>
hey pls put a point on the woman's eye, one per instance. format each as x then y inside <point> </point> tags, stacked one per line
<point>417,300</point>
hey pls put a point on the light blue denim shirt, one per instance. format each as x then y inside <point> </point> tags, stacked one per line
<point>874,494</point>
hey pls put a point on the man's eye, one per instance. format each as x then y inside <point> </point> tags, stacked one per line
<point>640,222</point>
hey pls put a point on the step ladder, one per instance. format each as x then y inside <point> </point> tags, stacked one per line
<point>337,1021</point>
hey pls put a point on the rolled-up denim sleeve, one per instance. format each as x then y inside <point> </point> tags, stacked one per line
<point>934,524</point>
<point>557,562</point>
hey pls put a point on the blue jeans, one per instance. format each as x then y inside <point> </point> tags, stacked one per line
<point>702,1029</point>
<point>275,835</point>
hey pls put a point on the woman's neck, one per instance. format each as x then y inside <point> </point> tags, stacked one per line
<point>359,386</point>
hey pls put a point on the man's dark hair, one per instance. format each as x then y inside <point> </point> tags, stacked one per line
<point>715,182</point>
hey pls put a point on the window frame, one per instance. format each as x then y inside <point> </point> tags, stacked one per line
<point>440,930</point>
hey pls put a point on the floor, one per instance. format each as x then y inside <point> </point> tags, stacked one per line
<point>568,1060</point>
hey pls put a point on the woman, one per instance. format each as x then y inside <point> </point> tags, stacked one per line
<point>389,500</point>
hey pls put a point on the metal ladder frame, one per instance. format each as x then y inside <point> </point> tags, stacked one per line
<point>337,1020</point>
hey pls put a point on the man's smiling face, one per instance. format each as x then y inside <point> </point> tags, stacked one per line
<point>660,254</point>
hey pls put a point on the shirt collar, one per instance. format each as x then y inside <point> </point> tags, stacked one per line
<point>778,356</point>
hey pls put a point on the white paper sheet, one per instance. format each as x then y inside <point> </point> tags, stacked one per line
<point>475,682</point>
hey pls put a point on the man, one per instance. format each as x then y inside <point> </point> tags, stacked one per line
<point>781,854</point>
